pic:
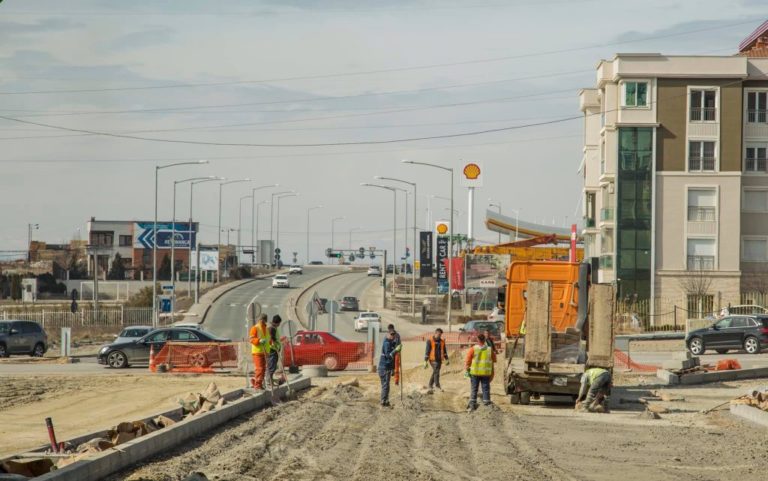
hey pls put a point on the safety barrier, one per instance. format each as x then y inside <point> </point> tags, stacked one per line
<point>198,356</point>
<point>622,359</point>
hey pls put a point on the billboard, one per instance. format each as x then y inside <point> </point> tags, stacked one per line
<point>442,272</point>
<point>167,232</point>
<point>209,260</point>
<point>487,270</point>
<point>425,254</point>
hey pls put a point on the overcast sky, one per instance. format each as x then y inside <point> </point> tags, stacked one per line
<point>312,72</point>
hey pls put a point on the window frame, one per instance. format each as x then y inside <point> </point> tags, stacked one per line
<point>754,238</point>
<point>715,258</point>
<point>129,239</point>
<point>623,92</point>
<point>715,150</point>
<point>712,188</point>
<point>703,88</point>
<point>757,111</point>
<point>756,146</point>
<point>744,191</point>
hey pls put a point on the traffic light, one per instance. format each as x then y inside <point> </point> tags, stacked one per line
<point>407,252</point>
<point>362,251</point>
<point>351,257</point>
<point>328,252</point>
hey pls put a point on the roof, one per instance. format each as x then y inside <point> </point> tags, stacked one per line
<point>753,37</point>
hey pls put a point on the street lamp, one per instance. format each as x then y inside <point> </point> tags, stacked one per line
<point>350,236</point>
<point>450,234</point>
<point>221,185</point>
<point>29,240</point>
<point>257,222</point>
<point>272,217</point>
<point>394,233</point>
<point>277,222</point>
<point>240,226</point>
<point>173,237</point>
<point>158,168</point>
<point>254,208</point>
<point>413,270</point>
<point>497,204</point>
<point>197,246</point>
<point>333,223</point>
<point>310,209</point>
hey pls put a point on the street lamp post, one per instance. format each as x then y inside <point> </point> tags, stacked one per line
<point>256,249</point>
<point>254,214</point>
<point>240,226</point>
<point>394,232</point>
<point>197,267</point>
<point>450,235</point>
<point>272,219</point>
<point>350,236</point>
<point>413,270</point>
<point>333,231</point>
<point>221,185</point>
<point>173,237</point>
<point>158,168</point>
<point>497,204</point>
<point>517,223</point>
<point>310,209</point>
<point>277,222</point>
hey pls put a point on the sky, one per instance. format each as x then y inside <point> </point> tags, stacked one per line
<point>282,76</point>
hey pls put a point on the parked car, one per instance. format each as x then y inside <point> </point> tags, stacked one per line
<point>132,333</point>
<point>732,332</point>
<point>281,280</point>
<point>320,347</point>
<point>124,354</point>
<point>22,337</point>
<point>349,303</point>
<point>295,269</point>
<point>316,263</point>
<point>362,320</point>
<point>468,333</point>
<point>374,271</point>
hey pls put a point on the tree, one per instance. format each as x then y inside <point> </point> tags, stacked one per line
<point>76,266</point>
<point>117,271</point>
<point>164,273</point>
<point>696,286</point>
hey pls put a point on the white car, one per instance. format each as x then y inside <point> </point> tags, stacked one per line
<point>281,280</point>
<point>362,320</point>
<point>295,270</point>
<point>374,271</point>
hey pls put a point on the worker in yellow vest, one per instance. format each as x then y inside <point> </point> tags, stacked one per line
<point>479,367</point>
<point>260,342</point>
<point>595,390</point>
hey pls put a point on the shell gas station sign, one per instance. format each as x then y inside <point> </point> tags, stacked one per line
<point>442,228</point>
<point>472,174</point>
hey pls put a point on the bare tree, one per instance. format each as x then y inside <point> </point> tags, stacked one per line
<point>697,283</point>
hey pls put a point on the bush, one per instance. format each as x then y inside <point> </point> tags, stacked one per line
<point>143,298</point>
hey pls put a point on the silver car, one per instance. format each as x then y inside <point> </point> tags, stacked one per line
<point>131,333</point>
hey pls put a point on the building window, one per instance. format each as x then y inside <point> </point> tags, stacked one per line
<point>635,94</point>
<point>755,159</point>
<point>102,239</point>
<point>701,156</point>
<point>754,249</point>
<point>126,241</point>
<point>756,107</point>
<point>755,200</point>
<point>589,219</point>
<point>703,105</point>
<point>702,205</point>
<point>701,254</point>
<point>700,305</point>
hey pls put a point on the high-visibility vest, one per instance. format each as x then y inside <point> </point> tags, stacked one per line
<point>593,372</point>
<point>434,347</point>
<point>274,346</point>
<point>261,332</point>
<point>482,361</point>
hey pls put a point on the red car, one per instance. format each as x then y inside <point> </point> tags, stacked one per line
<point>320,347</point>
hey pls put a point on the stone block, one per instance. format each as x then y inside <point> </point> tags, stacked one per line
<point>673,364</point>
<point>667,377</point>
<point>696,378</point>
<point>681,355</point>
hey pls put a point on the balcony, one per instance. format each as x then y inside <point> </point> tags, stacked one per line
<point>703,114</point>
<point>589,222</point>
<point>606,214</point>
<point>701,164</point>
<point>701,263</point>
<point>606,261</point>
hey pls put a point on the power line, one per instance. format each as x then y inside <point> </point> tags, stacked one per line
<point>379,71</point>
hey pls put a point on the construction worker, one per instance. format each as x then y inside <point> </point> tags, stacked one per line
<point>260,340</point>
<point>596,385</point>
<point>274,347</point>
<point>479,367</point>
<point>489,340</point>
<point>391,328</point>
<point>389,349</point>
<point>435,355</point>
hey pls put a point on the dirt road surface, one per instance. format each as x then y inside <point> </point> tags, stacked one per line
<point>336,432</point>
<point>81,404</point>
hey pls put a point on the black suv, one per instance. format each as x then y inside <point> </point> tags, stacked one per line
<point>22,337</point>
<point>732,332</point>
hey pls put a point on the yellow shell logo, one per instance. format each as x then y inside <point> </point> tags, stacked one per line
<point>471,171</point>
<point>442,229</point>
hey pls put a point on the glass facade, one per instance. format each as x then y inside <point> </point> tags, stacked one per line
<point>633,212</point>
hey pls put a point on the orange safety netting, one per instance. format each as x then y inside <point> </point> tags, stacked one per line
<point>622,359</point>
<point>197,357</point>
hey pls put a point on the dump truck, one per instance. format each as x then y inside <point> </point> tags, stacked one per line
<point>557,324</point>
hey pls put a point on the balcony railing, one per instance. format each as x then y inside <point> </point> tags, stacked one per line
<point>703,114</point>
<point>701,263</point>
<point>701,164</point>
<point>759,116</point>
<point>606,214</point>
<point>589,222</point>
<point>606,262</point>
<point>701,214</point>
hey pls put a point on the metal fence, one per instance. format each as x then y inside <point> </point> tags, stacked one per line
<point>106,317</point>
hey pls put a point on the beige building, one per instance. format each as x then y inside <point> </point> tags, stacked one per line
<point>675,174</point>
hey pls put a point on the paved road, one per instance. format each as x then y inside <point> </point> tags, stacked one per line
<point>352,284</point>
<point>227,315</point>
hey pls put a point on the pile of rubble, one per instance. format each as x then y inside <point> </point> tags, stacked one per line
<point>757,399</point>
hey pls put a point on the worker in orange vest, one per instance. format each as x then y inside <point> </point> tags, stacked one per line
<point>260,342</point>
<point>435,355</point>
<point>391,330</point>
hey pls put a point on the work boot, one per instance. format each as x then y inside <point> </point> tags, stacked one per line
<point>471,407</point>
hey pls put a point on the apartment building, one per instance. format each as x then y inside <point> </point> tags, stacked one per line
<point>675,174</point>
